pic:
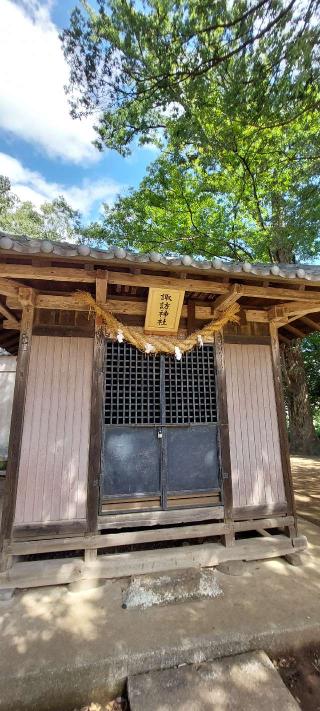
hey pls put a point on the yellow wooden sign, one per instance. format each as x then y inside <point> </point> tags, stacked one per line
<point>163,311</point>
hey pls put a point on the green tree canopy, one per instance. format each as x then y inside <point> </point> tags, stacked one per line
<point>54,220</point>
<point>178,64</point>
<point>182,209</point>
<point>231,91</point>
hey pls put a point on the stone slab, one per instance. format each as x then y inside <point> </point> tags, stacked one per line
<point>245,682</point>
<point>172,587</point>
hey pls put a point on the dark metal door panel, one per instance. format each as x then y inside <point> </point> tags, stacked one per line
<point>160,434</point>
<point>131,461</point>
<point>192,459</point>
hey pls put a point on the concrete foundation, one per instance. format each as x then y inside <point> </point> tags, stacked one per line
<point>58,650</point>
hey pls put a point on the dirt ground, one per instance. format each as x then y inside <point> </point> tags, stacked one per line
<point>306,482</point>
<point>301,674</point>
<point>300,671</point>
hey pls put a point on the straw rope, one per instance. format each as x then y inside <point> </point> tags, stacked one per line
<point>157,344</point>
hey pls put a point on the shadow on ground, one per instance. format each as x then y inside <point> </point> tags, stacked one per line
<point>306,481</point>
<point>58,650</point>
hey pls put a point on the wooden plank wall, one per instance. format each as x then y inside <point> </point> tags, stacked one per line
<point>257,476</point>
<point>54,456</point>
<point>7,380</point>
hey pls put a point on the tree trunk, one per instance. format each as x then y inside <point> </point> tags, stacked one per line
<point>302,435</point>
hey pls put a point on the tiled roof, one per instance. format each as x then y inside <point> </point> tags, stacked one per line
<point>25,245</point>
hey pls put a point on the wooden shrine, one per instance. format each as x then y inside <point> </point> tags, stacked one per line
<point>113,448</point>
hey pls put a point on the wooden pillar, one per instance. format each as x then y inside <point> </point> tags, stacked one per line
<point>96,410</point>
<point>101,286</point>
<point>224,437</point>
<point>27,299</point>
<point>283,434</point>
<point>191,317</point>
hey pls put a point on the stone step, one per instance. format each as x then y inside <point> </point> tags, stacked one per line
<point>245,682</point>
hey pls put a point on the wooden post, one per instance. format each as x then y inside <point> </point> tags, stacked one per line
<point>27,299</point>
<point>283,434</point>
<point>101,286</point>
<point>224,437</point>
<point>191,318</point>
<point>97,394</point>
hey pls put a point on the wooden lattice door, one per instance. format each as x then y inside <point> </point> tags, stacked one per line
<point>160,429</point>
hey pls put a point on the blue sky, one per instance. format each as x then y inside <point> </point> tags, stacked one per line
<point>42,150</point>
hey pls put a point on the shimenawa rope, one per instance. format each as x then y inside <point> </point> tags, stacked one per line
<point>157,344</point>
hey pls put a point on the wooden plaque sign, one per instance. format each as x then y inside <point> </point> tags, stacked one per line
<point>163,311</point>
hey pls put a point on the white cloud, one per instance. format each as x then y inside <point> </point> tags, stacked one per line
<point>33,104</point>
<point>31,185</point>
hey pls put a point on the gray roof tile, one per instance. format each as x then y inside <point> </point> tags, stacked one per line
<point>25,245</point>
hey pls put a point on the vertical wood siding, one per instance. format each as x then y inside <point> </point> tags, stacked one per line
<point>54,455</point>
<point>7,379</point>
<point>257,477</point>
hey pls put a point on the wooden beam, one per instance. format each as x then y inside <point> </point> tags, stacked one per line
<point>110,540</point>
<point>22,271</point>
<point>27,271</point>
<point>282,313</point>
<point>292,310</point>
<point>281,293</point>
<point>256,316</point>
<point>244,339</point>
<point>130,307</point>
<point>160,518</point>
<point>11,325</point>
<point>225,300</point>
<point>8,315</point>
<point>48,301</point>
<point>118,565</point>
<point>8,287</point>
<point>211,287</point>
<point>282,426</point>
<point>17,419</point>
<point>297,307</point>
<point>312,324</point>
<point>296,331</point>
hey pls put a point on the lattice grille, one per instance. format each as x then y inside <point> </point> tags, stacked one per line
<point>133,387</point>
<point>190,388</point>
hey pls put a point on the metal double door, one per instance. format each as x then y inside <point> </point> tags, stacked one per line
<point>160,425</point>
